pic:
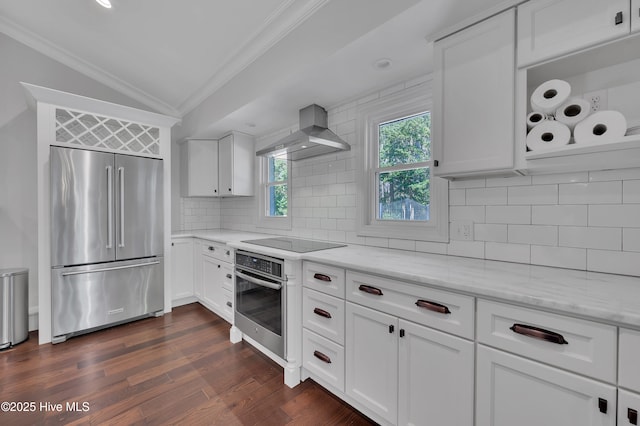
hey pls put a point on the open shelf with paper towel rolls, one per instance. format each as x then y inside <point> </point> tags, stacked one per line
<point>585,109</point>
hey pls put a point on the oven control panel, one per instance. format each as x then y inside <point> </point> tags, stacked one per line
<point>259,263</point>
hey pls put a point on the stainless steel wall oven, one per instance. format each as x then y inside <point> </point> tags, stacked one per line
<point>260,299</point>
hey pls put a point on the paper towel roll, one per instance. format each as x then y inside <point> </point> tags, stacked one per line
<point>548,135</point>
<point>600,128</point>
<point>535,118</point>
<point>573,111</point>
<point>550,95</point>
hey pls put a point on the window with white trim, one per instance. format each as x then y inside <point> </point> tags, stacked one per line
<point>275,193</point>
<point>400,198</point>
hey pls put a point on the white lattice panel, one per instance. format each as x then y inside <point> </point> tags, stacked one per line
<point>90,130</point>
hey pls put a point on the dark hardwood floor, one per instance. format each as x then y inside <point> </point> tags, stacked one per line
<point>176,369</point>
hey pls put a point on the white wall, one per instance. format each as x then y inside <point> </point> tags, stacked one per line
<point>18,148</point>
<point>588,221</point>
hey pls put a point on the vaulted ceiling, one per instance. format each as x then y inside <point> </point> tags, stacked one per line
<point>244,65</point>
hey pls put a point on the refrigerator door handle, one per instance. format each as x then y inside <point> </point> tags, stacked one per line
<point>115,268</point>
<point>109,207</point>
<point>121,223</point>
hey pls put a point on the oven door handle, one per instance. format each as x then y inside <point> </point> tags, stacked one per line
<point>256,281</point>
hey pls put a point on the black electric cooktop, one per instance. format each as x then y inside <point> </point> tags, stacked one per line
<point>296,245</point>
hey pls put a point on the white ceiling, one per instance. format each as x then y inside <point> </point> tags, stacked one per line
<point>244,65</point>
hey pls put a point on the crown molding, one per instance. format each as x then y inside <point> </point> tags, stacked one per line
<point>287,17</point>
<point>67,58</point>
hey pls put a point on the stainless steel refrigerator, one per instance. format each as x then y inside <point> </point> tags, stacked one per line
<point>106,239</point>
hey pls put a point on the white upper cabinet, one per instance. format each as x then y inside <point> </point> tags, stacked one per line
<point>199,168</point>
<point>474,87</point>
<point>218,168</point>
<point>551,28</point>
<point>236,164</point>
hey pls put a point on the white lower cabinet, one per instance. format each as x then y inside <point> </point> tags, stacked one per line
<point>512,390</point>
<point>436,375</point>
<point>214,278</point>
<point>628,408</point>
<point>212,283</point>
<point>407,373</point>
<point>371,349</point>
<point>182,268</point>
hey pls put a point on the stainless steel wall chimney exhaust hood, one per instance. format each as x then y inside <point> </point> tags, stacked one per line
<point>311,140</point>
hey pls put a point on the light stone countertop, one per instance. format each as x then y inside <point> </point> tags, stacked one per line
<point>604,297</point>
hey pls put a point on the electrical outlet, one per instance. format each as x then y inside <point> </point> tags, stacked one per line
<point>462,230</point>
<point>597,99</point>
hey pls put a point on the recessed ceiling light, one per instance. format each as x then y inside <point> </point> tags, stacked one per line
<point>383,64</point>
<point>104,3</point>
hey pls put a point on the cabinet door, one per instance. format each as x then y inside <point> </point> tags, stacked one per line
<point>635,16</point>
<point>181,268</point>
<point>212,278</point>
<point>628,408</point>
<point>201,164</point>
<point>511,390</point>
<point>549,28</point>
<point>226,165</point>
<point>629,353</point>
<point>371,348</point>
<point>436,376</point>
<point>474,88</point>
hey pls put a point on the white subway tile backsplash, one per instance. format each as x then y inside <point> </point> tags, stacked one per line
<point>377,242</point>
<point>623,174</point>
<point>591,193</point>
<point>472,213</point>
<point>542,235</point>
<point>560,178</point>
<point>457,197</point>
<point>467,183</point>
<point>615,262</point>
<point>466,248</point>
<point>631,239</point>
<point>631,191</point>
<point>590,237</point>
<point>430,247</point>
<point>402,244</point>
<point>571,215</point>
<point>534,194</point>
<point>509,181</point>
<point>619,216</point>
<point>520,253</point>
<point>509,214</point>
<point>490,232</point>
<point>486,196</point>
<point>561,257</point>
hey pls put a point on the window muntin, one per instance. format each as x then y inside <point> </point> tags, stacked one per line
<point>402,177</point>
<point>277,194</point>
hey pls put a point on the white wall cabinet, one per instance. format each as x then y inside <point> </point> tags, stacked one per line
<point>218,168</point>
<point>182,269</point>
<point>635,16</point>
<point>199,168</point>
<point>474,89</point>
<point>236,162</point>
<point>552,28</point>
<point>512,390</point>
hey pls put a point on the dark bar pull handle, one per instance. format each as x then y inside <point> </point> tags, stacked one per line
<point>538,333</point>
<point>322,357</point>
<point>229,304</point>
<point>602,405</point>
<point>433,306</point>
<point>211,248</point>
<point>370,290</point>
<point>618,18</point>
<point>229,276</point>
<point>322,277</point>
<point>402,332</point>
<point>632,415</point>
<point>391,328</point>
<point>321,312</point>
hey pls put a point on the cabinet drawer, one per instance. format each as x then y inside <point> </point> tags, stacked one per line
<point>629,369</point>
<point>449,312</point>
<point>326,279</point>
<point>227,276</point>
<point>590,347</point>
<point>217,251</point>
<point>323,314</point>
<point>323,359</point>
